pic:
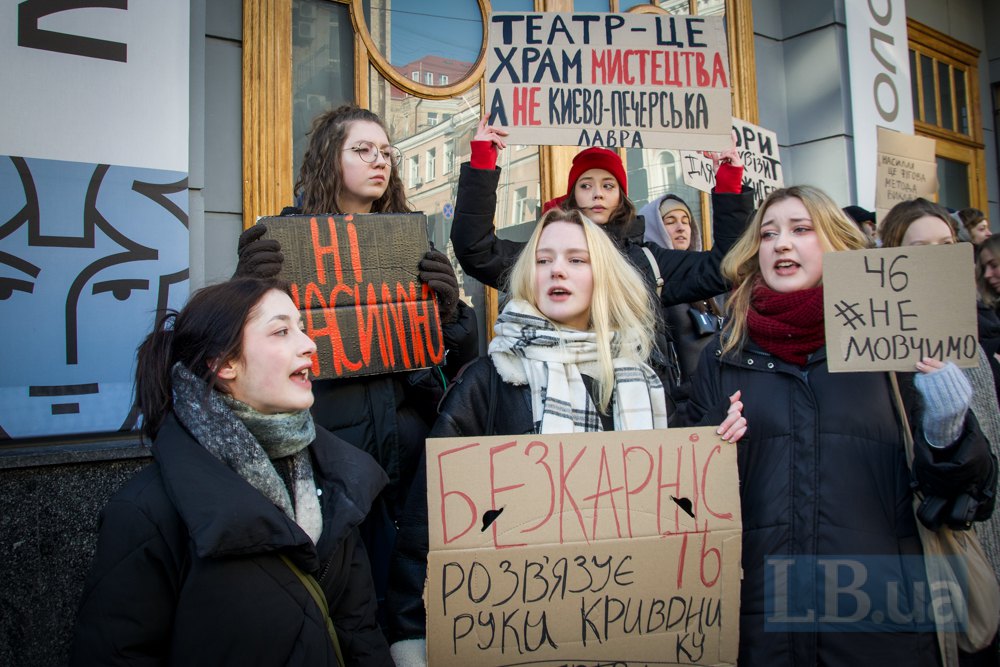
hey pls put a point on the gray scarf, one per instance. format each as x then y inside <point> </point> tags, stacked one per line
<point>247,442</point>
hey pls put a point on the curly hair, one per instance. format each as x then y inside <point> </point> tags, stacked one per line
<point>321,179</point>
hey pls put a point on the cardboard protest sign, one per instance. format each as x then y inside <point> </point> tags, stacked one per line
<point>617,548</point>
<point>887,308</point>
<point>612,80</point>
<point>762,165</point>
<point>354,278</point>
<point>907,169</point>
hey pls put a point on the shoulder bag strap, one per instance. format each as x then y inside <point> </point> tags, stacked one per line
<point>320,599</point>
<point>901,409</point>
<point>656,269</point>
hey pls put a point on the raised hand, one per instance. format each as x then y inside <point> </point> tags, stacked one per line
<point>492,133</point>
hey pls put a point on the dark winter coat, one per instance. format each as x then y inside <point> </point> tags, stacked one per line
<point>822,472</point>
<point>388,416</point>
<point>988,321</point>
<point>464,412</point>
<point>687,276</point>
<point>187,570</point>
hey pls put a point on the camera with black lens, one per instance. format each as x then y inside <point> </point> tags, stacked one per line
<point>957,513</point>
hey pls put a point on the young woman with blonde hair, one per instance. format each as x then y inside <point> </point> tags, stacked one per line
<point>570,354</point>
<point>823,469</point>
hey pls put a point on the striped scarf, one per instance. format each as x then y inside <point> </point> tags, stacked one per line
<point>529,349</point>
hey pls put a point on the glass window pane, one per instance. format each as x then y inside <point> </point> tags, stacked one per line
<point>432,153</point>
<point>961,106</point>
<point>913,85</point>
<point>654,172</point>
<point>711,7</point>
<point>513,5</point>
<point>944,94</point>
<point>591,6</point>
<point>953,183</point>
<point>927,79</point>
<point>675,6</point>
<point>440,38</point>
<point>322,65</point>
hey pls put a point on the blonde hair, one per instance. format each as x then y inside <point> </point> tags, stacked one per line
<point>741,266</point>
<point>622,311</point>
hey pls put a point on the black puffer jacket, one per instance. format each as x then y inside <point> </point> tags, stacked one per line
<point>464,412</point>
<point>988,321</point>
<point>822,472</point>
<point>187,569</point>
<point>687,276</point>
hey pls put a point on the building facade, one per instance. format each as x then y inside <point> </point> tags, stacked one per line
<point>251,76</point>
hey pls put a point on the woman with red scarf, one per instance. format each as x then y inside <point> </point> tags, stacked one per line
<point>832,559</point>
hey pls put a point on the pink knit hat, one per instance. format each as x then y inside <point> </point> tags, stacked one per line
<point>592,158</point>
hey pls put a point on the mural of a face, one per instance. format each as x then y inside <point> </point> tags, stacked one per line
<point>88,253</point>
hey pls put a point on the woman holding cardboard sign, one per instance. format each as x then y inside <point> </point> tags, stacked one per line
<point>239,544</point>
<point>598,188</point>
<point>570,354</point>
<point>919,222</point>
<point>823,469</point>
<point>350,167</point>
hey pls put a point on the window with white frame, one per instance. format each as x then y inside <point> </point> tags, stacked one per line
<point>413,179</point>
<point>415,76</point>
<point>432,118</point>
<point>431,156</point>
<point>520,199</point>
<point>429,78</point>
<point>448,160</point>
<point>443,80</point>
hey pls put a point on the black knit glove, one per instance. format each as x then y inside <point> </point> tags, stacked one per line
<point>437,272</point>
<point>258,258</point>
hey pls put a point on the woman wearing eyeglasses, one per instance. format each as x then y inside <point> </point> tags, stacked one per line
<point>351,167</point>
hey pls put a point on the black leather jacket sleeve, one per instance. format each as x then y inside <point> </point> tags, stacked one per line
<point>481,253</point>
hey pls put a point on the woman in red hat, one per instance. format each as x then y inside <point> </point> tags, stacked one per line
<point>598,187</point>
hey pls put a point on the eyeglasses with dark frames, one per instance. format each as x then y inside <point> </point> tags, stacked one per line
<point>369,152</point>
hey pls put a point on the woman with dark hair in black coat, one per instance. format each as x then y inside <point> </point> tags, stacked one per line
<point>239,544</point>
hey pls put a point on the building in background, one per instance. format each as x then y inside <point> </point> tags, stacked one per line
<point>244,81</point>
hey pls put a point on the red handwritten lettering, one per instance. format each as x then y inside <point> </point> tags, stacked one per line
<point>496,490</point>
<point>474,515</point>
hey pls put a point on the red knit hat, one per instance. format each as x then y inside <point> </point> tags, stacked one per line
<point>592,158</point>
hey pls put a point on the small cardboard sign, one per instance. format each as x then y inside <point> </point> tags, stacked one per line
<point>907,169</point>
<point>611,548</point>
<point>758,148</point>
<point>887,308</point>
<point>354,278</point>
<point>611,80</point>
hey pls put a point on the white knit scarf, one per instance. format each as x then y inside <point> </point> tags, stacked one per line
<point>529,349</point>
